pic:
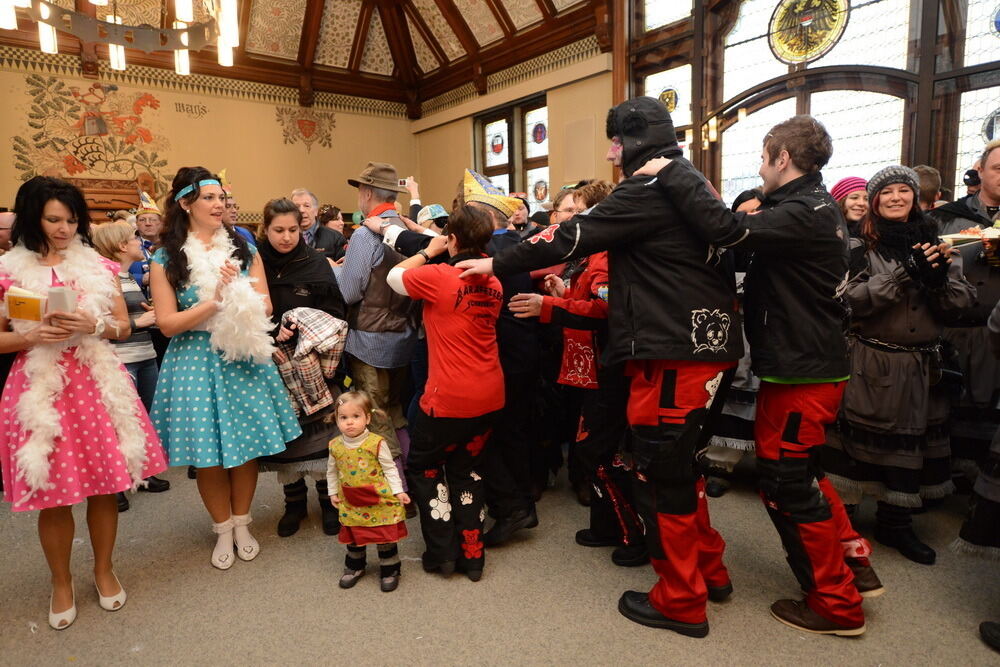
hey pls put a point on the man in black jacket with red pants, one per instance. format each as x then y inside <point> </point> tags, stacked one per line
<point>674,322</point>
<point>795,326</point>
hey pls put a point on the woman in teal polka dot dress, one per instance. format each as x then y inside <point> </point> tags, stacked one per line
<point>219,402</point>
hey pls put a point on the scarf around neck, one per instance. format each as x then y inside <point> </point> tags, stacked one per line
<point>897,238</point>
<point>300,265</point>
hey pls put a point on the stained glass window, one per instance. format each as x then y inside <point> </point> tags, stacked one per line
<point>741,148</point>
<point>502,181</point>
<point>536,132</point>
<point>878,32</point>
<point>658,13</point>
<point>537,182</point>
<point>748,58</point>
<point>867,131</point>
<point>673,86</point>
<point>495,141</point>
<point>978,106</point>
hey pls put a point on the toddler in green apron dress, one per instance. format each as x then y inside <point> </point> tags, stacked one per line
<point>368,492</point>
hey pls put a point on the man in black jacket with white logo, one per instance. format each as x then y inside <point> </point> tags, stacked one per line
<point>674,322</point>
<point>795,327</point>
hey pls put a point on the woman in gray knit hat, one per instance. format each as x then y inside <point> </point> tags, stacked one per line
<point>891,440</point>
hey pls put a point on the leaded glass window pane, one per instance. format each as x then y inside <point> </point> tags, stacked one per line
<point>536,133</point>
<point>502,181</point>
<point>673,84</point>
<point>663,12</point>
<point>538,187</point>
<point>742,144</point>
<point>495,141</point>
<point>982,44</point>
<point>867,131</point>
<point>978,106</point>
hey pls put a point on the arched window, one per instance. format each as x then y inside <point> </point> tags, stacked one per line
<point>742,144</point>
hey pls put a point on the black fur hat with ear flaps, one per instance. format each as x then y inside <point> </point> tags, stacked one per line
<point>645,129</point>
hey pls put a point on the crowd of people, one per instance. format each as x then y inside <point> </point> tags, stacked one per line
<point>435,364</point>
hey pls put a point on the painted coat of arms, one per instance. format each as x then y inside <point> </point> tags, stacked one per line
<point>306,125</point>
<point>93,130</point>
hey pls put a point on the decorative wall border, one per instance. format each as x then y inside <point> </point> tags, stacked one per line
<point>561,57</point>
<point>14,59</point>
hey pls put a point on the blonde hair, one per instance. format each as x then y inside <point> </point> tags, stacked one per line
<point>109,236</point>
<point>355,396</point>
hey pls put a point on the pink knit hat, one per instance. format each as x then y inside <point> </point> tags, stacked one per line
<point>846,186</point>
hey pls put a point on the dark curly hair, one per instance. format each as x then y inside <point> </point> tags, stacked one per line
<point>175,227</point>
<point>29,205</point>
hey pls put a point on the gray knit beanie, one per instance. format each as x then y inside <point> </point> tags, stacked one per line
<point>894,174</point>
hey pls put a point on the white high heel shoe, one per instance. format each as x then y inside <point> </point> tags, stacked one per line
<point>222,556</point>
<point>247,547</point>
<point>112,602</point>
<point>63,619</point>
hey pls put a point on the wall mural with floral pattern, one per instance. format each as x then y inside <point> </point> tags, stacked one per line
<point>90,130</point>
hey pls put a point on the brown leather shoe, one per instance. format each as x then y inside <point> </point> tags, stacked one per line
<point>865,579</point>
<point>797,614</point>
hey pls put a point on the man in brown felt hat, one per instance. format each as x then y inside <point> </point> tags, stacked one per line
<point>383,330</point>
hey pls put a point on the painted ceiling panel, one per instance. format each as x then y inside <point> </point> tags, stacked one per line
<point>336,33</point>
<point>425,57</point>
<point>276,28</point>
<point>442,32</point>
<point>376,57</point>
<point>565,4</point>
<point>480,20</point>
<point>522,12</point>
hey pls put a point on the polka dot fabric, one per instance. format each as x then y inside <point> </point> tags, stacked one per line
<point>86,461</point>
<point>212,412</point>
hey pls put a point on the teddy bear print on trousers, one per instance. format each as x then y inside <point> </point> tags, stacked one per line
<point>440,507</point>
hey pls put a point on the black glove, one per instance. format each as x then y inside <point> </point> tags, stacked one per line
<point>931,276</point>
<point>913,264</point>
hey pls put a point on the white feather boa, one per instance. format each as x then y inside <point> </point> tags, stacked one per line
<point>241,329</point>
<point>46,378</point>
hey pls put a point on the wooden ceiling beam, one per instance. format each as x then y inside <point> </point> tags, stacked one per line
<point>401,48</point>
<point>311,24</point>
<point>502,17</point>
<point>533,43</point>
<point>459,27</point>
<point>243,10</point>
<point>548,9</point>
<point>361,35</point>
<point>427,34</point>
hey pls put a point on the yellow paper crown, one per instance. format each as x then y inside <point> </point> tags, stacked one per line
<point>147,205</point>
<point>226,185</point>
<point>478,188</point>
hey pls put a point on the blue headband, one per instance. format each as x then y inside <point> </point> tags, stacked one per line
<point>190,188</point>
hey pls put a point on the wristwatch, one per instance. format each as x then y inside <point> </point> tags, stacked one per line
<point>99,327</point>
<point>423,253</point>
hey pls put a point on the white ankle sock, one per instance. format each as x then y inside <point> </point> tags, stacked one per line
<point>222,555</point>
<point>247,546</point>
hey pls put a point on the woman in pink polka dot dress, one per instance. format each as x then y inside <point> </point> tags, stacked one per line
<point>73,427</point>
